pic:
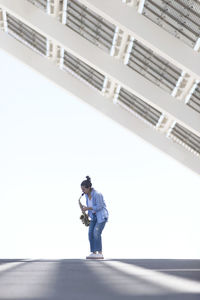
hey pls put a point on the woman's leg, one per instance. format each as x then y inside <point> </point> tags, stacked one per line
<point>97,236</point>
<point>91,234</point>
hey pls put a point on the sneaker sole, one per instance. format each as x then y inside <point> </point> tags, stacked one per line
<point>94,257</point>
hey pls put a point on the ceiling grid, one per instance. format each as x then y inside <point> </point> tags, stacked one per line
<point>126,50</point>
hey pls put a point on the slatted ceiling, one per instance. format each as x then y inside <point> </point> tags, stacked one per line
<point>141,108</point>
<point>81,69</point>
<point>194,101</point>
<point>179,17</point>
<point>158,70</point>
<point>186,137</point>
<point>39,3</point>
<point>89,25</point>
<point>26,34</point>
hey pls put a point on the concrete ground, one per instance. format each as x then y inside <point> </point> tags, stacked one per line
<point>74,279</point>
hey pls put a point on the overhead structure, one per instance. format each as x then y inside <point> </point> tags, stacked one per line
<point>137,61</point>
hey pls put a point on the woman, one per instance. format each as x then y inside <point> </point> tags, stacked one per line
<point>98,214</point>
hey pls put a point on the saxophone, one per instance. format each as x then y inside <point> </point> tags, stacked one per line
<point>84,217</point>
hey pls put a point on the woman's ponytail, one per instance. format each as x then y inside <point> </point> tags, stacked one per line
<point>87,183</point>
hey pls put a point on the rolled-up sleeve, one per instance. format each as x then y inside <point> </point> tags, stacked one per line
<point>98,202</point>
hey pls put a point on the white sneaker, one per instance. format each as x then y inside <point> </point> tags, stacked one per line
<point>94,256</point>
<point>90,256</point>
<point>99,256</point>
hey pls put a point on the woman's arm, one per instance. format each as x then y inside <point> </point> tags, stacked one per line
<point>87,208</point>
<point>98,202</point>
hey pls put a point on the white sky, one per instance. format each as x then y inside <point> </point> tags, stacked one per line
<point>49,142</point>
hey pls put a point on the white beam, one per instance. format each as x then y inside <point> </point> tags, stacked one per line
<point>48,10</point>
<point>75,87</point>
<point>110,67</point>
<point>197,45</point>
<point>148,33</point>
<point>141,6</point>
<point>64,12</point>
<point>5,27</point>
<point>55,9</point>
<point>187,99</point>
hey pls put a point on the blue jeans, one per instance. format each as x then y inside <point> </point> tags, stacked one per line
<point>95,230</point>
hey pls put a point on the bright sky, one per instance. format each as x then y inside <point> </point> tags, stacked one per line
<point>49,142</point>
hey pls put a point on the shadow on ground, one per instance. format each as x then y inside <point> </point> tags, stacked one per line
<point>76,279</point>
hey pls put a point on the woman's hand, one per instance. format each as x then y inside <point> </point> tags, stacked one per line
<point>85,208</point>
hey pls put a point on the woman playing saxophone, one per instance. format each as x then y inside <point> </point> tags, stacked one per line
<point>98,214</point>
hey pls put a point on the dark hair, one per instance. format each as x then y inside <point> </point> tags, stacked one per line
<point>87,183</point>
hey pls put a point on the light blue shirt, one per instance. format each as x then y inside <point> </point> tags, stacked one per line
<point>98,205</point>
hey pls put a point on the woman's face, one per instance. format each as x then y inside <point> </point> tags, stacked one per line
<point>85,190</point>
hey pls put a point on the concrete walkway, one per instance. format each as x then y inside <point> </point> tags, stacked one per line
<point>77,279</point>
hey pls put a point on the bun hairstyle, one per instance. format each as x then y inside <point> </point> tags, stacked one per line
<point>87,183</point>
